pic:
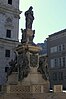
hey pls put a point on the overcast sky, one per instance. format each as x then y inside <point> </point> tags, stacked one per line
<point>50,17</point>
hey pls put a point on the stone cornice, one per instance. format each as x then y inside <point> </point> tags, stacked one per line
<point>9,9</point>
<point>9,41</point>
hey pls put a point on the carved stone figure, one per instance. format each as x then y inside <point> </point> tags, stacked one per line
<point>19,64</point>
<point>33,60</point>
<point>32,37</point>
<point>24,36</point>
<point>29,18</point>
<point>13,65</point>
<point>23,66</point>
<point>43,68</point>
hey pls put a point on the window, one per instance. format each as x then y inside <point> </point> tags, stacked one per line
<point>8,33</point>
<point>63,60</point>
<point>55,76</point>
<point>63,47</point>
<point>10,2</point>
<point>60,62</point>
<point>59,48</point>
<point>6,69</point>
<point>56,62</point>
<point>7,53</point>
<point>52,63</point>
<point>53,49</point>
<point>60,75</point>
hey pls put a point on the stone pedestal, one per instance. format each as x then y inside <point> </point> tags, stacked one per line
<point>13,79</point>
<point>58,88</point>
<point>34,83</point>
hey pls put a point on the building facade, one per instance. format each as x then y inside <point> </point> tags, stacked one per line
<point>57,58</point>
<point>9,29</point>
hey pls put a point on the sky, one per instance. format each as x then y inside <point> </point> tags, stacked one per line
<point>50,17</point>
